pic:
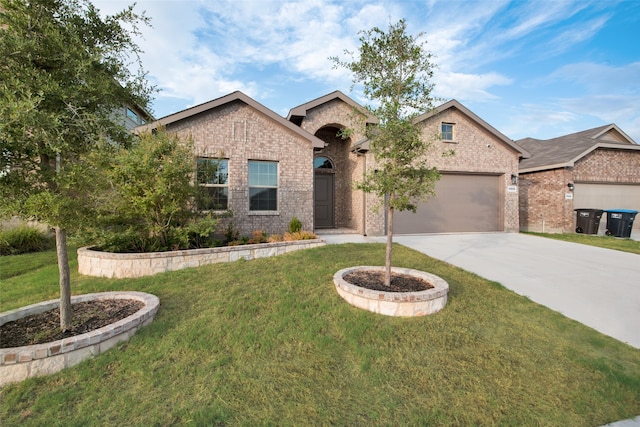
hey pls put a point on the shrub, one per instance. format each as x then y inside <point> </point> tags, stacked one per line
<point>143,197</point>
<point>299,235</point>
<point>258,236</point>
<point>295,225</point>
<point>25,239</point>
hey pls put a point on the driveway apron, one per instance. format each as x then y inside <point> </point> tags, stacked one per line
<point>597,287</point>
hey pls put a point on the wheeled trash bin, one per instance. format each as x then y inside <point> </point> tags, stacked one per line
<point>620,222</point>
<point>588,220</point>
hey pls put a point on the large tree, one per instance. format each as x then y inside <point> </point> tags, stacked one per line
<point>394,70</point>
<point>65,71</point>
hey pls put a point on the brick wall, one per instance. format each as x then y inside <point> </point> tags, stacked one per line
<point>476,151</point>
<point>543,205</point>
<point>605,165</point>
<point>240,133</point>
<point>324,121</point>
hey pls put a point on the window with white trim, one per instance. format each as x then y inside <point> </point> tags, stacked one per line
<point>263,186</point>
<point>212,175</point>
<point>447,131</point>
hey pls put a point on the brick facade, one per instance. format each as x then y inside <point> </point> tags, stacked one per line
<point>238,129</point>
<point>239,133</point>
<point>544,206</point>
<point>477,151</point>
<point>605,165</point>
<point>324,121</point>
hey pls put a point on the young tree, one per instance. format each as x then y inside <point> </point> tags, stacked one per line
<point>64,72</point>
<point>394,70</point>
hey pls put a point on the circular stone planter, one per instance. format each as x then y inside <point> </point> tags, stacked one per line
<point>19,363</point>
<point>407,304</point>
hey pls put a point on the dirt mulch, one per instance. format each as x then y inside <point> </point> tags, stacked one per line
<point>45,327</point>
<point>374,280</point>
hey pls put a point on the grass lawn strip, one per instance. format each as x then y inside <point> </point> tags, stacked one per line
<point>269,341</point>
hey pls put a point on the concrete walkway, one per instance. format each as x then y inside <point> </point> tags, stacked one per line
<point>597,287</point>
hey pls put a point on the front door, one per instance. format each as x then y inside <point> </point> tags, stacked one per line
<point>323,200</point>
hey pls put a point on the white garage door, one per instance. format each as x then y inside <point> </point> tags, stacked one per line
<point>607,196</point>
<point>463,203</point>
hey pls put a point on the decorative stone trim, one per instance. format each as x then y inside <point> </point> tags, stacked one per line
<point>418,303</point>
<point>128,265</point>
<point>19,363</point>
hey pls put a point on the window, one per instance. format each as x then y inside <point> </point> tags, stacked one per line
<point>447,131</point>
<point>263,186</point>
<point>212,176</point>
<point>322,163</point>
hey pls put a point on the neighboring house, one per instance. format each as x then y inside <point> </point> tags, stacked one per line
<point>271,168</point>
<point>133,116</point>
<point>597,169</point>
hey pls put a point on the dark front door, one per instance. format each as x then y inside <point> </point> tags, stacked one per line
<point>323,200</point>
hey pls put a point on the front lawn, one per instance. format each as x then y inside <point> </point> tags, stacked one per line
<point>270,342</point>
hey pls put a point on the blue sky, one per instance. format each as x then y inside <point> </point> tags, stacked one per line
<point>529,68</point>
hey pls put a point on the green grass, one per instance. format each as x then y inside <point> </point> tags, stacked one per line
<point>608,242</point>
<point>270,342</point>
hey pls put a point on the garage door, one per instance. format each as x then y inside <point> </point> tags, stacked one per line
<point>462,203</point>
<point>607,196</point>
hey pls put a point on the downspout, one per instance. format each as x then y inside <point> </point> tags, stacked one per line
<point>364,197</point>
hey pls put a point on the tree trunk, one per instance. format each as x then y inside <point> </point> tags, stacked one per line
<point>65,282</point>
<point>387,272</point>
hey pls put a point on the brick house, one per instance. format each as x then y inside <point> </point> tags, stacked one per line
<point>272,168</point>
<point>265,162</point>
<point>597,168</point>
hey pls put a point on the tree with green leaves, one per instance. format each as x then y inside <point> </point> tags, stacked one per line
<point>143,198</point>
<point>64,73</point>
<point>395,71</point>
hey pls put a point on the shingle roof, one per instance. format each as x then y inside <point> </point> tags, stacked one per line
<point>565,150</point>
<point>232,97</point>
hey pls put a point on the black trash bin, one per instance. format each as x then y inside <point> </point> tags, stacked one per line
<point>620,222</point>
<point>588,220</point>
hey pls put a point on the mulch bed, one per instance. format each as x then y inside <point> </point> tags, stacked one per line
<point>374,280</point>
<point>45,327</point>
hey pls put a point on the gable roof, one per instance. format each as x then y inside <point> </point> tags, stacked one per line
<point>232,97</point>
<point>297,114</point>
<point>471,115</point>
<point>565,150</point>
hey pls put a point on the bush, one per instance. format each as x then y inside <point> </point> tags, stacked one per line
<point>143,200</point>
<point>25,239</point>
<point>299,235</point>
<point>295,225</point>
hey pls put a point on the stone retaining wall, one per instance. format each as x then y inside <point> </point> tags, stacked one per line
<point>127,265</point>
<point>19,363</point>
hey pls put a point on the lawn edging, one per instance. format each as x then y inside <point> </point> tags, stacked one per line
<point>405,304</point>
<point>19,363</point>
<point>131,265</point>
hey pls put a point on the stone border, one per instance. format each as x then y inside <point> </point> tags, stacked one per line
<point>19,363</point>
<point>418,303</point>
<point>129,265</point>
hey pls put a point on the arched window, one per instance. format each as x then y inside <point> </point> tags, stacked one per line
<point>322,163</point>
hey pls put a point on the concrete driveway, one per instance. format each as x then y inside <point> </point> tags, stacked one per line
<point>597,287</point>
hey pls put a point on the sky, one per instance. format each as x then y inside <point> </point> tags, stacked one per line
<point>538,69</point>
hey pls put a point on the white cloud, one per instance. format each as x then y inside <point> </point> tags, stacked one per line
<point>468,87</point>
<point>601,77</point>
